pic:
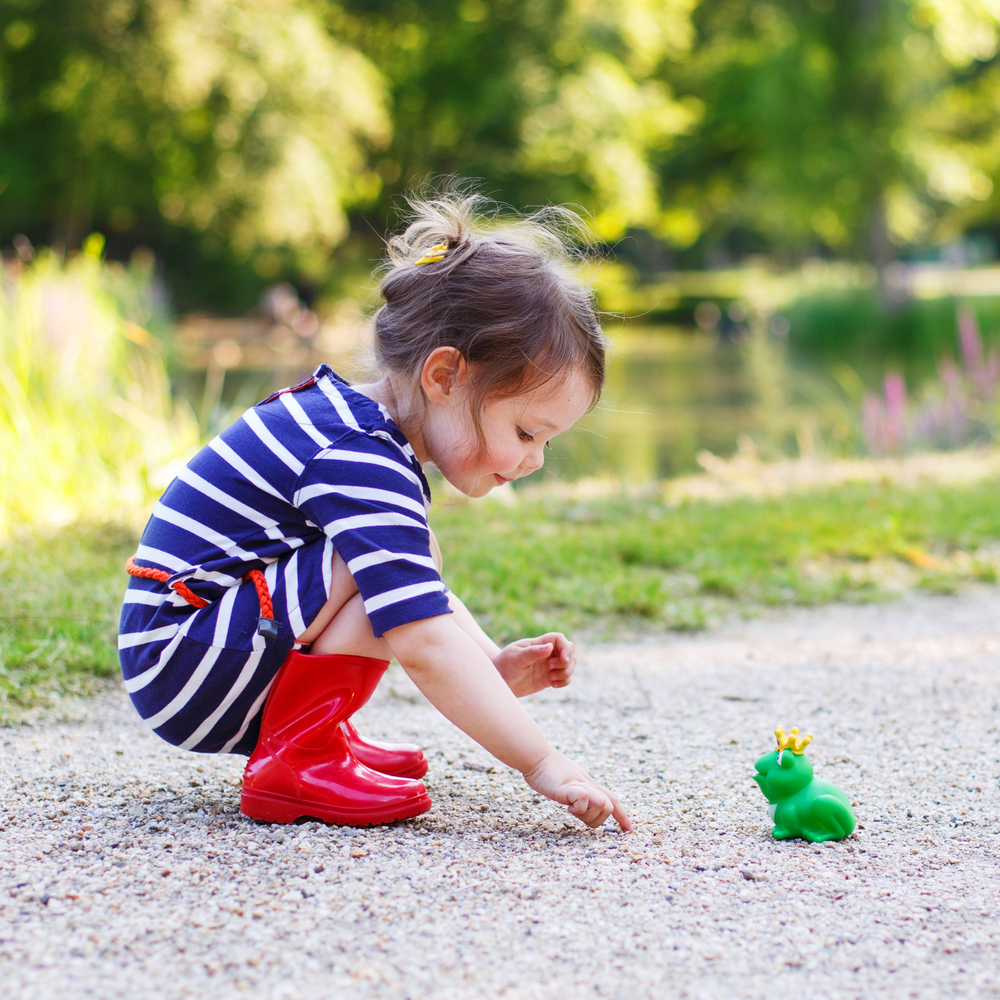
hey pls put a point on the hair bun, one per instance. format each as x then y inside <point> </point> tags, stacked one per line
<point>502,292</point>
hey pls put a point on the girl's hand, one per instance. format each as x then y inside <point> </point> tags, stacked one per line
<point>531,665</point>
<point>558,778</point>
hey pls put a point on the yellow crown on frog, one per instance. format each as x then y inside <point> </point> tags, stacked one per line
<point>797,744</point>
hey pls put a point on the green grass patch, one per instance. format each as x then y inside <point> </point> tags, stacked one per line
<point>60,596</point>
<point>597,568</point>
<point>608,567</point>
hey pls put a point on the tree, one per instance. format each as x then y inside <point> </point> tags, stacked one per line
<point>859,126</point>
<point>246,132</point>
<point>545,101</point>
<point>247,123</point>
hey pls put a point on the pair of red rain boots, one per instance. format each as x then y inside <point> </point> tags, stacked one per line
<point>310,761</point>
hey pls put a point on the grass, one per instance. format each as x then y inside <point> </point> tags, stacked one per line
<point>60,595</point>
<point>598,568</point>
<point>612,567</point>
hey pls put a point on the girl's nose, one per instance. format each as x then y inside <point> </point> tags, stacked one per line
<point>533,462</point>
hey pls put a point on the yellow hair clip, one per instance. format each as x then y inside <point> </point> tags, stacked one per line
<point>436,253</point>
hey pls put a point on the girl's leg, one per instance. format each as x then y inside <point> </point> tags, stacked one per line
<point>342,589</point>
<point>350,633</point>
<point>343,627</point>
<point>354,631</point>
<point>307,760</point>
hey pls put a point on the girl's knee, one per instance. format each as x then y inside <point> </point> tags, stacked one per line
<point>342,590</point>
<point>350,632</point>
<point>342,584</point>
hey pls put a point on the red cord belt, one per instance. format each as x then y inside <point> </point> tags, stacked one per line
<point>266,626</point>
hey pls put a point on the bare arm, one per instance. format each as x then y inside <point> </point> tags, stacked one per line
<point>462,617</point>
<point>460,613</point>
<point>459,679</point>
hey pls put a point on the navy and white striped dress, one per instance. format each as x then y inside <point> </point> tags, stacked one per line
<point>313,469</point>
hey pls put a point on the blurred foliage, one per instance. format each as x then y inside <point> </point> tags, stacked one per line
<point>258,135</point>
<point>849,326</point>
<point>960,407</point>
<point>248,123</point>
<point>547,101</point>
<point>856,126</point>
<point>88,429</point>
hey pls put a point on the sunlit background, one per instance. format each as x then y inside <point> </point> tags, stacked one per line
<point>794,204</point>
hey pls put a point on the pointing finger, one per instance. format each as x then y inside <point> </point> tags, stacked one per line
<point>620,816</point>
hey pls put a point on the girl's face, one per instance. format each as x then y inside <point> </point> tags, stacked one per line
<point>516,429</point>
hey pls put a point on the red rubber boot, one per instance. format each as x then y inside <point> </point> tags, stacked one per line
<point>405,760</point>
<point>303,765</point>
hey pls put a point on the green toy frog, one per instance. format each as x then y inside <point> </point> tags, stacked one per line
<point>801,805</point>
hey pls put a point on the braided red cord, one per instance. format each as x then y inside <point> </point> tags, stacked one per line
<point>263,594</point>
<point>148,573</point>
<point>260,585</point>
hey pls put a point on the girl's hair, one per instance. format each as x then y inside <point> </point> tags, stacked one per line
<point>503,294</point>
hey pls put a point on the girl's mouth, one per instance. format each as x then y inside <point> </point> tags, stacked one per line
<point>500,479</point>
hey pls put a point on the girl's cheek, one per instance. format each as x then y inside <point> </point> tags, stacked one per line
<point>510,460</point>
<point>501,457</point>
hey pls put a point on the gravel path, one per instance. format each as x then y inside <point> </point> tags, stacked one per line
<point>126,870</point>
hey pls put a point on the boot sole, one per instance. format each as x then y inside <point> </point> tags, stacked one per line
<point>269,808</point>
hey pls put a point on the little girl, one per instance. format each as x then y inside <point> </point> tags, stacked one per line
<point>292,558</point>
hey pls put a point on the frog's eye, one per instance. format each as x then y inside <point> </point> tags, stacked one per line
<point>781,753</point>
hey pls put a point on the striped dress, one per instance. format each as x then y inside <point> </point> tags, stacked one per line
<point>314,469</point>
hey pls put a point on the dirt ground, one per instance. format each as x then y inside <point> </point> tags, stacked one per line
<point>127,871</point>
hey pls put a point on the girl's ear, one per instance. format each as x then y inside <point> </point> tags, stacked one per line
<point>443,372</point>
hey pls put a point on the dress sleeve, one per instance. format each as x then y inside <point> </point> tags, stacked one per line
<point>368,500</point>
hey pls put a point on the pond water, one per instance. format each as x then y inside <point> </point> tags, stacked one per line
<point>670,393</point>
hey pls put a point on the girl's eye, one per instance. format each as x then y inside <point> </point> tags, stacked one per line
<point>524,435</point>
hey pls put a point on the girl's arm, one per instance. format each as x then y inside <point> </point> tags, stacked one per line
<point>527,665</point>
<point>459,679</point>
<point>462,617</point>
